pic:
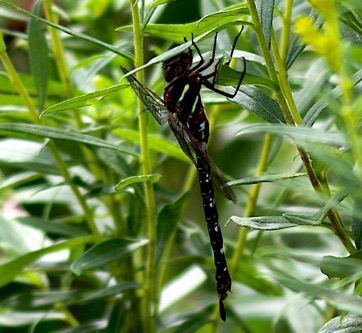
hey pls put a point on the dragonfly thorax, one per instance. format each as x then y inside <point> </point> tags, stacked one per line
<point>177,66</point>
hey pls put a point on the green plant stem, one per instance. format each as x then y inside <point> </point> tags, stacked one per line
<point>59,56</point>
<point>349,114</point>
<point>287,19</point>
<point>291,114</point>
<point>64,74</point>
<point>250,208</point>
<point>284,83</point>
<point>333,214</point>
<point>52,147</point>
<point>63,71</point>
<point>150,307</point>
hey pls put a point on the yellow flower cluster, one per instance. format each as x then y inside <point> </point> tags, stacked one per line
<point>323,41</point>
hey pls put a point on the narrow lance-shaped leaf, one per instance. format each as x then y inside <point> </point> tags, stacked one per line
<point>177,32</point>
<point>106,252</point>
<point>74,33</point>
<point>13,268</point>
<point>340,300</point>
<point>60,134</point>
<point>265,11</point>
<point>357,222</point>
<point>343,324</point>
<point>254,100</point>
<point>82,101</point>
<point>301,135</point>
<point>265,179</point>
<point>155,142</point>
<point>341,268</point>
<point>263,222</point>
<point>137,179</point>
<point>167,222</point>
<point>39,54</point>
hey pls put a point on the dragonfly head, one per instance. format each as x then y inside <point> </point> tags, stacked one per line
<point>177,66</point>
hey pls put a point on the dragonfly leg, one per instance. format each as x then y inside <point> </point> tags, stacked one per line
<point>213,75</point>
<point>200,68</point>
<point>234,45</point>
<point>212,87</point>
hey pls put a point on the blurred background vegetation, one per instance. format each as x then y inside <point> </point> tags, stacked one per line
<point>101,226</point>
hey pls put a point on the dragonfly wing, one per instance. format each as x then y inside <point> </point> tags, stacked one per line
<point>150,100</point>
<point>182,138</point>
<point>217,176</point>
<point>192,148</point>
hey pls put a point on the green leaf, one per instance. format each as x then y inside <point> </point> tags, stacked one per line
<point>74,33</point>
<point>263,222</point>
<point>351,30</point>
<point>137,179</point>
<point>227,76</point>
<point>216,21</point>
<point>33,300</point>
<point>18,179</point>
<point>106,252</point>
<point>158,3</point>
<point>39,54</point>
<point>167,221</point>
<point>60,134</point>
<point>287,220</point>
<point>108,292</point>
<point>20,318</point>
<point>340,300</point>
<point>342,324</point>
<point>11,269</point>
<point>254,100</point>
<point>52,226</point>
<point>265,179</point>
<point>265,11</point>
<point>253,278</point>
<point>295,45</point>
<point>155,142</point>
<point>338,164</point>
<point>82,101</point>
<point>318,107</point>
<point>178,49</point>
<point>176,289</point>
<point>25,155</point>
<point>301,135</point>
<point>357,223</point>
<point>341,268</point>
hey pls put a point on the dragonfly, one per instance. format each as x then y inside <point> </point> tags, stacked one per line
<point>182,107</point>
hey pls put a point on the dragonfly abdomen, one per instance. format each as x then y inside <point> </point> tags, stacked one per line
<point>223,280</point>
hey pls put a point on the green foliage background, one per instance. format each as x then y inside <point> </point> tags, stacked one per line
<point>101,227</point>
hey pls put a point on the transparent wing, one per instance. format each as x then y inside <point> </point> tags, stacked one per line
<point>150,100</point>
<point>192,148</point>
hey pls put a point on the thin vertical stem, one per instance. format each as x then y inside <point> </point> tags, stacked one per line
<point>149,304</point>
<point>291,114</point>
<point>287,19</point>
<point>250,208</point>
<point>52,147</point>
<point>59,56</point>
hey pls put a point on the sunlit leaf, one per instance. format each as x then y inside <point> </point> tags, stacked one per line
<point>106,252</point>
<point>82,101</point>
<point>13,268</point>
<point>60,134</point>
<point>266,11</point>
<point>39,55</point>
<point>342,324</point>
<point>137,179</point>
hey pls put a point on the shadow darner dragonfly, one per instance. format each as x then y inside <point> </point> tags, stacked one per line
<point>182,108</point>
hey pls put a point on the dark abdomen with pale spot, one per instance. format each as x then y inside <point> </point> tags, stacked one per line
<point>183,100</point>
